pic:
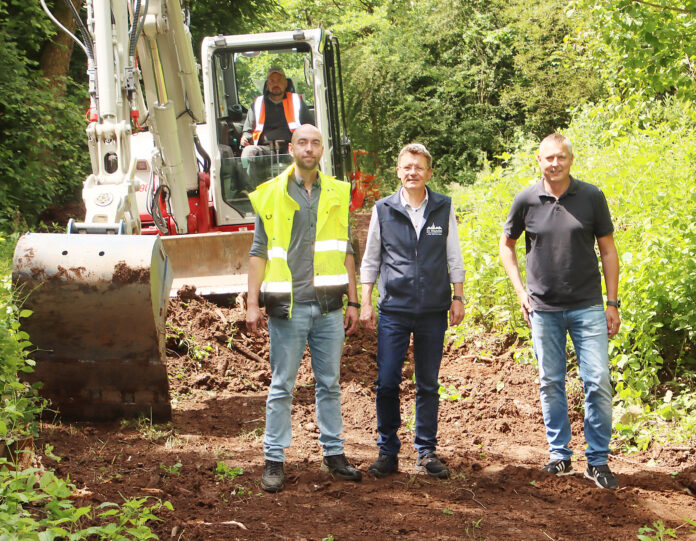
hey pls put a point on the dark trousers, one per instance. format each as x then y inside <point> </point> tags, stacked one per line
<point>393,335</point>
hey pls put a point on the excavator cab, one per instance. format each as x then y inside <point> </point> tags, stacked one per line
<point>236,76</point>
<point>239,78</point>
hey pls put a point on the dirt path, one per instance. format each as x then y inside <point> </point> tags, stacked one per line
<point>491,435</point>
<point>492,438</point>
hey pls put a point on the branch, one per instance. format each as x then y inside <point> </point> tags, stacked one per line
<point>670,8</point>
<point>369,6</point>
<point>248,353</point>
<point>691,65</point>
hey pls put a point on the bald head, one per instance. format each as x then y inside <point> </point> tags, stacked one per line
<point>557,139</point>
<point>306,147</point>
<point>306,130</point>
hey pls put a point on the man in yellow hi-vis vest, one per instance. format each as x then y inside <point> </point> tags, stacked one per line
<point>300,266</point>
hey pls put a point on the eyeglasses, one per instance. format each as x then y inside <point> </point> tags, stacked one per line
<point>409,168</point>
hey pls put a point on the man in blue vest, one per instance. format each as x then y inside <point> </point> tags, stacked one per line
<point>562,219</point>
<point>300,266</point>
<point>413,246</point>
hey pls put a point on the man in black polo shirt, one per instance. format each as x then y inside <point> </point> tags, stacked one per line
<point>561,218</point>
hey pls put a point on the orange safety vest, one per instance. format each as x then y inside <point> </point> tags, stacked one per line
<point>291,108</point>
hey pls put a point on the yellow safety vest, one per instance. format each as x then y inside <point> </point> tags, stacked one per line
<point>275,206</point>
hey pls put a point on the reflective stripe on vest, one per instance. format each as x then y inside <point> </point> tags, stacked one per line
<point>276,287</point>
<point>330,281</point>
<point>328,245</point>
<point>291,108</point>
<point>278,252</point>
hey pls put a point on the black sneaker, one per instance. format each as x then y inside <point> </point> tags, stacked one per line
<point>338,466</point>
<point>433,466</point>
<point>273,478</point>
<point>602,476</point>
<point>559,467</point>
<point>384,465</point>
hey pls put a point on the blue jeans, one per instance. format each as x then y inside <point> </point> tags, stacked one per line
<point>588,331</point>
<point>393,337</point>
<point>324,334</point>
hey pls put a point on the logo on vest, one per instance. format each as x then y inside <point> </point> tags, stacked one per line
<point>434,230</point>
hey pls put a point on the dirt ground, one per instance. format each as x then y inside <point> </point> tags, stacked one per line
<point>491,435</point>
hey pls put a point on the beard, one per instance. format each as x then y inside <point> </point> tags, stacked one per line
<point>276,94</point>
<point>307,163</point>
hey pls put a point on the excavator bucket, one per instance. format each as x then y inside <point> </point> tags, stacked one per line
<point>99,304</point>
<point>215,263</point>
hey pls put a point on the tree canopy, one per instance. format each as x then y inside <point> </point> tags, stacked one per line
<point>641,46</point>
<point>468,78</point>
<point>463,77</point>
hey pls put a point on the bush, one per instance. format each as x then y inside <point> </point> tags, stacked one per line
<point>43,155</point>
<point>20,405</point>
<point>482,209</point>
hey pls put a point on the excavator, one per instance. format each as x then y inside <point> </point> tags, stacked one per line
<point>171,213</point>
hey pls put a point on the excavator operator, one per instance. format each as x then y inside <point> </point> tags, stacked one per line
<point>273,117</point>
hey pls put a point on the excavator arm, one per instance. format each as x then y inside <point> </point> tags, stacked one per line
<point>172,106</point>
<point>99,293</point>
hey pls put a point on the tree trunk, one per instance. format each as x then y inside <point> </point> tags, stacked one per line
<point>55,55</point>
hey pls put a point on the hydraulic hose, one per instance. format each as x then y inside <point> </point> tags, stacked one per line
<point>204,155</point>
<point>140,25</point>
<point>83,29</point>
<point>68,32</point>
<point>134,30</point>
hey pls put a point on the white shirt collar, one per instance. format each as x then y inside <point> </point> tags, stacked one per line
<point>407,205</point>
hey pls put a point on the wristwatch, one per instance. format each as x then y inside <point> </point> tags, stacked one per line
<point>457,298</point>
<point>616,303</point>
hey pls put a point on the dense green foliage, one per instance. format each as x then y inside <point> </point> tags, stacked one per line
<point>463,77</point>
<point>42,156</point>
<point>41,509</point>
<point>642,155</point>
<point>20,405</point>
<point>643,47</point>
<point>210,18</point>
